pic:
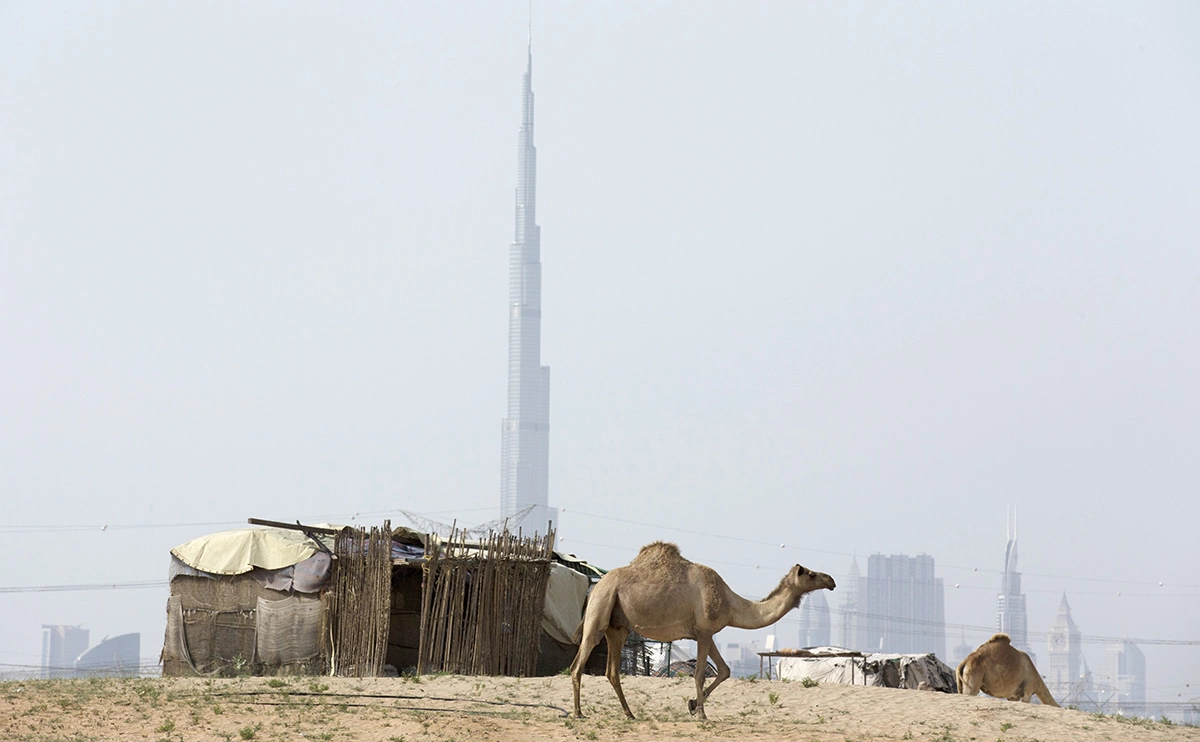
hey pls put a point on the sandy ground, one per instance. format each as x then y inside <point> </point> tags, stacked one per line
<point>470,709</point>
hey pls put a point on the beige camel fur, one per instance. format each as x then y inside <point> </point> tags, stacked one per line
<point>999,669</point>
<point>664,597</point>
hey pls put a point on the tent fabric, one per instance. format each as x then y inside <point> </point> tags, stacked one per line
<point>237,552</point>
<point>288,631</point>
<point>565,594</point>
<point>911,671</point>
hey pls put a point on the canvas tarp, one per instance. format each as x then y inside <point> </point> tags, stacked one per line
<point>237,552</point>
<point>565,594</point>
<point>887,670</point>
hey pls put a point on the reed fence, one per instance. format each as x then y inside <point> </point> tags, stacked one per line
<point>361,598</point>
<point>482,604</point>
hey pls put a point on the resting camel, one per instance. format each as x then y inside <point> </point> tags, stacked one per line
<point>999,669</point>
<point>664,597</point>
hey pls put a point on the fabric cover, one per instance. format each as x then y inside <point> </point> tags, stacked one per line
<point>235,552</point>
<point>565,593</point>
<point>288,631</point>
<point>886,670</point>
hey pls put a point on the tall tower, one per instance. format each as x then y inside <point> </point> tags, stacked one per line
<point>525,432</point>
<point>814,620</point>
<point>854,610</point>
<point>1010,604</point>
<point>1064,674</point>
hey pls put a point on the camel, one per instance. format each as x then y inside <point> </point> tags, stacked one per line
<point>665,597</point>
<point>999,669</point>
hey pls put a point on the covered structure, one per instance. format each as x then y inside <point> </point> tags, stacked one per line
<point>292,599</point>
<point>838,665</point>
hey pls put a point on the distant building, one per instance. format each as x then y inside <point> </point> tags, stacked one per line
<point>60,646</point>
<point>525,430</point>
<point>906,605</point>
<point>1064,672</point>
<point>1011,617</point>
<point>960,651</point>
<point>852,632</point>
<point>119,656</point>
<point>1127,667</point>
<point>814,620</point>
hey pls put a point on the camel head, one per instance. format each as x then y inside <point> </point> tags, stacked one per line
<point>805,580</point>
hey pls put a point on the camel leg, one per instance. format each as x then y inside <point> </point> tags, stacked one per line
<point>587,643</point>
<point>722,670</point>
<point>615,636</point>
<point>968,682</point>
<point>704,646</point>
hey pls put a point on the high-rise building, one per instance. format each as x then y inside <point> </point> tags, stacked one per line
<point>1127,670</point>
<point>1011,617</point>
<point>814,620</point>
<point>853,610</point>
<point>1064,674</point>
<point>525,431</point>
<point>906,605</point>
<point>61,645</point>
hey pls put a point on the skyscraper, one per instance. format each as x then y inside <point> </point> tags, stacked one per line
<point>525,431</point>
<point>906,605</point>
<point>1127,673</point>
<point>853,610</point>
<point>1010,604</point>
<point>814,620</point>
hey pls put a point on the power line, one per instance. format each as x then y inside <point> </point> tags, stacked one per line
<point>772,544</point>
<point>83,587</point>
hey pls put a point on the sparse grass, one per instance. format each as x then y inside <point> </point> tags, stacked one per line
<point>1005,726</point>
<point>248,732</point>
<point>166,726</point>
<point>773,697</point>
<point>810,683</point>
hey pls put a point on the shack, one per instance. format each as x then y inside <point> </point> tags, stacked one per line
<point>325,599</point>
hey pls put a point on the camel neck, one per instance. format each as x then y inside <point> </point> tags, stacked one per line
<point>755,614</point>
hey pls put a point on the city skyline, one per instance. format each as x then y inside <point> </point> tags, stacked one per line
<point>805,266</point>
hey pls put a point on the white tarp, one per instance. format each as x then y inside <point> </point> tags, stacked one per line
<point>911,671</point>
<point>237,552</point>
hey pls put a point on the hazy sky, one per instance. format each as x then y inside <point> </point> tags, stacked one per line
<point>849,278</point>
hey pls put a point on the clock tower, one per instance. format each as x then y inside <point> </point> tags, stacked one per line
<point>1065,653</point>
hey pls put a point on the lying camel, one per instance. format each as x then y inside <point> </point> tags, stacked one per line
<point>664,597</point>
<point>999,669</point>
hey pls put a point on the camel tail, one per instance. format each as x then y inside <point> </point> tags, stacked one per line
<point>578,634</point>
<point>958,676</point>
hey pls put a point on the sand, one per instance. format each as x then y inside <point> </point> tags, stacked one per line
<point>471,709</point>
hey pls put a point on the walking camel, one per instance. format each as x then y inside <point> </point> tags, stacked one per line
<point>999,669</point>
<point>664,597</point>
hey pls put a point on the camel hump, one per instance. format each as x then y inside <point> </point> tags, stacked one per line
<point>658,550</point>
<point>1001,638</point>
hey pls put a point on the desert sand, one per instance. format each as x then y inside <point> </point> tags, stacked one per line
<point>471,709</point>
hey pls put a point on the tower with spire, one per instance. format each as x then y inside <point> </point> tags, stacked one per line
<point>525,431</point>
<point>853,610</point>
<point>1011,618</point>
<point>1065,671</point>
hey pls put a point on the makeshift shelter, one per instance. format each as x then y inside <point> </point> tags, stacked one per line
<point>838,665</point>
<point>346,601</point>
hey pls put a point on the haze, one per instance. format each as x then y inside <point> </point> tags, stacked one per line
<point>847,278</point>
